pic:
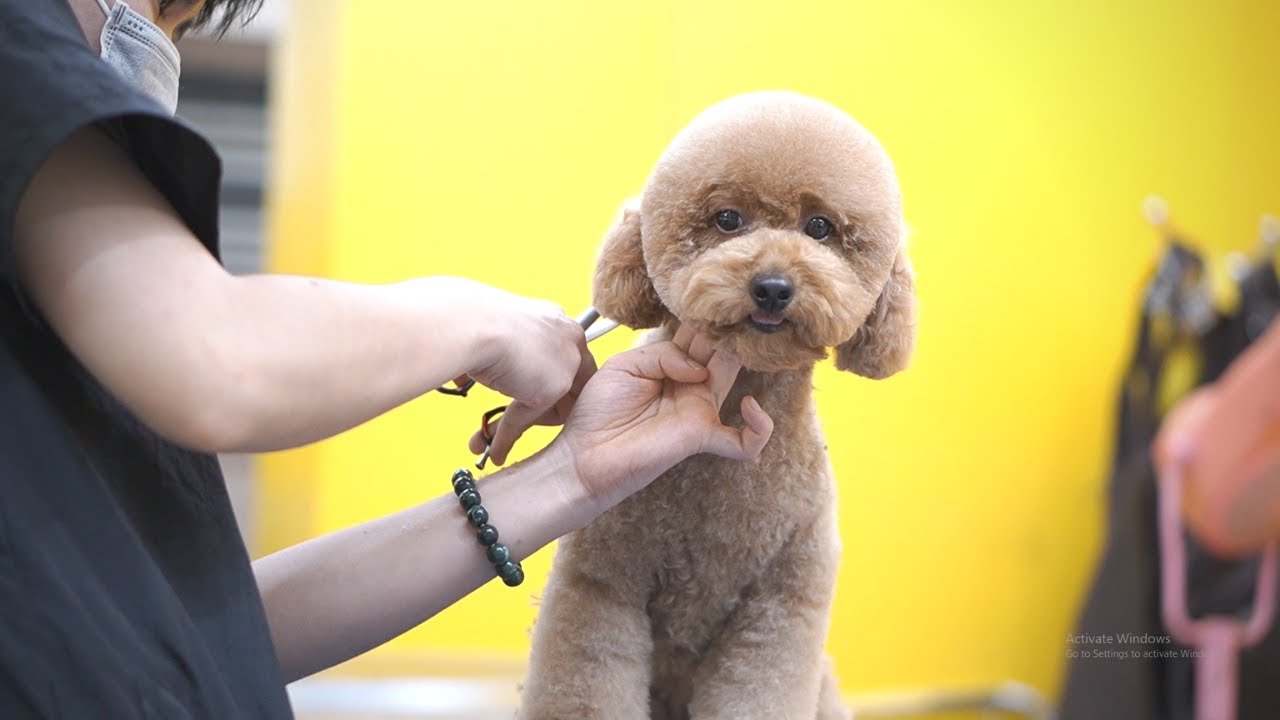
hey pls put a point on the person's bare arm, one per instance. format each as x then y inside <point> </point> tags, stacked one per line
<point>339,595</point>
<point>224,363</point>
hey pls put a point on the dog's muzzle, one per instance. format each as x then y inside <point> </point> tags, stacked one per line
<point>772,293</point>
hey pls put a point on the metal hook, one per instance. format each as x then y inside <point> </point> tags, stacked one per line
<point>1269,231</point>
<point>1156,211</point>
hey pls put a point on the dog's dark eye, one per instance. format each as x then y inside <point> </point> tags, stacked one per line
<point>728,220</point>
<point>819,228</point>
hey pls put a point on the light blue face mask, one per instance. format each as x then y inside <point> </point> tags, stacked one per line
<point>140,51</point>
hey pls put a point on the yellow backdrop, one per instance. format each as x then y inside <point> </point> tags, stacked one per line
<point>497,139</point>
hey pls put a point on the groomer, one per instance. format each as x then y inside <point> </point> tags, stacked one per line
<point>129,357</point>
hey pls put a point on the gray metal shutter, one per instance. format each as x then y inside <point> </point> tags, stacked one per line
<point>223,94</point>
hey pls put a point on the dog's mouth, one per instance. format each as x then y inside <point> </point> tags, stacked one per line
<point>767,323</point>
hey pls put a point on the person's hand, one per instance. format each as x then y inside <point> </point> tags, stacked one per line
<point>1175,445</point>
<point>1222,438</point>
<point>534,354</point>
<point>649,408</point>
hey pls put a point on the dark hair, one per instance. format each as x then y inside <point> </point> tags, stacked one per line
<point>226,12</point>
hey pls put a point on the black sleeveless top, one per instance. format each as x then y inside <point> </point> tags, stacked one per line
<point>125,587</point>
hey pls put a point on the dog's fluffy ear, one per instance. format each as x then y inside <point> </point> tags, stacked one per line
<point>882,346</point>
<point>622,290</point>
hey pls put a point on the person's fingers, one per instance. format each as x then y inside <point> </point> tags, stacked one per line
<point>684,336</point>
<point>526,410</point>
<point>586,366</point>
<point>660,361</point>
<point>477,443</point>
<point>745,444</point>
<point>701,349</point>
<point>587,369</point>
<point>723,370</point>
<point>517,418</point>
<point>559,412</point>
<point>759,427</point>
<point>1178,431</point>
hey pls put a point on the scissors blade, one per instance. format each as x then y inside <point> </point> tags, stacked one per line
<point>602,329</point>
<point>589,317</point>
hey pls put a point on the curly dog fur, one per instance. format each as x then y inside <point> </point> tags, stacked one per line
<point>708,593</point>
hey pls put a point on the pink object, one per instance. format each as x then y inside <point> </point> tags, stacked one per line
<point>1219,639</point>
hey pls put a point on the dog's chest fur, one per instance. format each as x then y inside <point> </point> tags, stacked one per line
<point>695,540</point>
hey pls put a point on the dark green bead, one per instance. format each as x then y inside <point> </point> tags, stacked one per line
<point>462,474</point>
<point>511,573</point>
<point>469,499</point>
<point>498,554</point>
<point>478,515</point>
<point>462,484</point>
<point>487,535</point>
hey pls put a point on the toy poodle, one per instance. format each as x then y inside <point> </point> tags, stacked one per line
<point>772,224</point>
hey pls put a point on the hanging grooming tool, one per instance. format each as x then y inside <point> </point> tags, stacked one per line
<point>1216,639</point>
<point>1256,281</point>
<point>1232,462</point>
<point>1181,289</point>
<point>1178,312</point>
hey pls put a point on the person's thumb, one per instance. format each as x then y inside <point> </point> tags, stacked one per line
<point>745,444</point>
<point>659,361</point>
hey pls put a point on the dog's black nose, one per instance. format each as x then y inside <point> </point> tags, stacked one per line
<point>772,293</point>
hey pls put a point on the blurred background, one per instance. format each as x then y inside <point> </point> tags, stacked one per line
<point>373,141</point>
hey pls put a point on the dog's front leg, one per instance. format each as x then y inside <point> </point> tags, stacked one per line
<point>768,661</point>
<point>592,649</point>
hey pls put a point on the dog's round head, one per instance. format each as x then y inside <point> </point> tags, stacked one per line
<point>772,223</point>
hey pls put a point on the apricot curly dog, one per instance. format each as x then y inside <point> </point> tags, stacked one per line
<point>773,224</point>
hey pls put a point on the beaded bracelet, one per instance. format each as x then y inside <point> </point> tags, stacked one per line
<point>464,486</point>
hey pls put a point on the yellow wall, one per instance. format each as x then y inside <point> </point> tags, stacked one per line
<point>497,140</point>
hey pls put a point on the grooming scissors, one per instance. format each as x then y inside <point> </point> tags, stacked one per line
<point>587,319</point>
